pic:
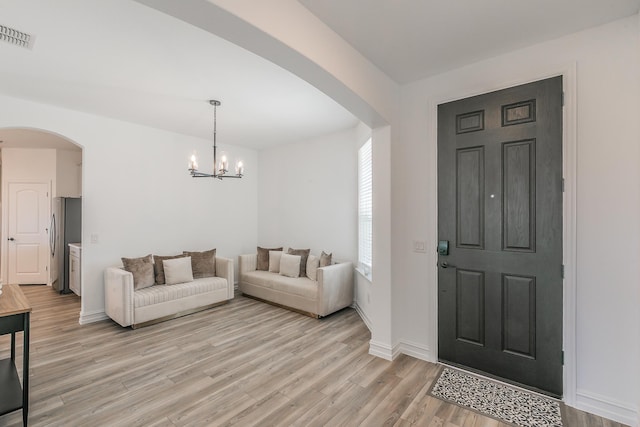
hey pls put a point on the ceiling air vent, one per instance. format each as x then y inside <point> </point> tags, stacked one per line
<point>15,37</point>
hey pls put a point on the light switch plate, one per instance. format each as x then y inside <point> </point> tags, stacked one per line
<point>419,246</point>
<point>94,238</point>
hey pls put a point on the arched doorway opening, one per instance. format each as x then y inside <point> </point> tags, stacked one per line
<point>41,209</point>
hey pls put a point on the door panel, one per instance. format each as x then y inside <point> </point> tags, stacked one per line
<point>28,222</point>
<point>519,197</point>
<point>470,190</point>
<point>519,315</point>
<point>470,306</point>
<point>28,258</point>
<point>500,200</point>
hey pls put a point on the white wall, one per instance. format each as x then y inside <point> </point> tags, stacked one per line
<point>608,202</point>
<point>68,173</point>
<point>28,164</point>
<point>308,195</point>
<point>138,197</point>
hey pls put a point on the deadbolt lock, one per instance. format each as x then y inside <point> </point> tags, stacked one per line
<point>443,247</point>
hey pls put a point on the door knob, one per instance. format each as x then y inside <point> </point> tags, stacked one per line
<point>11,239</point>
<point>445,264</point>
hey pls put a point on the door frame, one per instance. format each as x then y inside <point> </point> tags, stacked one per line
<point>568,73</point>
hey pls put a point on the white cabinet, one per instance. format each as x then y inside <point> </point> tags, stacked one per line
<point>75,250</point>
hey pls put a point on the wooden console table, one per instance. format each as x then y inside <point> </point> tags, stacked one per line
<point>15,314</point>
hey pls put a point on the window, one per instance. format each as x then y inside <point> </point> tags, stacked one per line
<point>365,209</point>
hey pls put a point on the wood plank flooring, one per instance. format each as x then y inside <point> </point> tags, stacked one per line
<point>245,363</point>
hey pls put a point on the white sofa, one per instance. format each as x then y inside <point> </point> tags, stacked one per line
<point>136,308</point>
<point>332,291</point>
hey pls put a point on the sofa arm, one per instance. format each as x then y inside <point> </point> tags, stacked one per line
<point>247,263</point>
<point>224,269</point>
<point>118,295</point>
<point>335,287</point>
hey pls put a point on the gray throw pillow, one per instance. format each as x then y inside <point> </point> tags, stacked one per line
<point>142,270</point>
<point>203,264</point>
<point>325,259</point>
<point>313,262</point>
<point>304,254</point>
<point>263,258</point>
<point>159,268</point>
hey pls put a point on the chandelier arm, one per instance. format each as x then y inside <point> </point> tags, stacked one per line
<point>208,175</point>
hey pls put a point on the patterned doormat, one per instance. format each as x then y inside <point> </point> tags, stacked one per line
<point>495,400</point>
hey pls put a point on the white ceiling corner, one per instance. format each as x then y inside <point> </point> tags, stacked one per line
<point>413,39</point>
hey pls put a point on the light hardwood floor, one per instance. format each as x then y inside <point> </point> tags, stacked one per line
<point>244,363</point>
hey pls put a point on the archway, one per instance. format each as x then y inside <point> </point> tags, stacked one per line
<point>54,163</point>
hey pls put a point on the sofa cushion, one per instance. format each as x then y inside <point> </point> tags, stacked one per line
<point>274,261</point>
<point>290,265</point>
<point>304,254</point>
<point>158,294</point>
<point>141,269</point>
<point>325,259</point>
<point>260,278</point>
<point>262,262</point>
<point>313,262</point>
<point>203,264</point>
<point>301,286</point>
<point>177,270</point>
<point>158,267</point>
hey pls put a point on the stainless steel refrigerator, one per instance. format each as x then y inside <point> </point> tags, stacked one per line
<point>66,227</point>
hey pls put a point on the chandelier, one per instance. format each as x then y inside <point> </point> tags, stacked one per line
<point>220,169</point>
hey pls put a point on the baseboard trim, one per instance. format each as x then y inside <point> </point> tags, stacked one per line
<point>621,412</point>
<point>381,350</point>
<point>414,349</point>
<point>403,347</point>
<point>362,315</point>
<point>96,316</point>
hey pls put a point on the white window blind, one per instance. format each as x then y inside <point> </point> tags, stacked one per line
<point>365,207</point>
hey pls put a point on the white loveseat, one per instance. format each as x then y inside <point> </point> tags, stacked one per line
<point>141,307</point>
<point>332,291</point>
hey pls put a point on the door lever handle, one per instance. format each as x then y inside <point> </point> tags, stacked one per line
<point>11,239</point>
<point>445,264</point>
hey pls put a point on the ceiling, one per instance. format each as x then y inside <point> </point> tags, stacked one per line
<point>124,60</point>
<point>414,39</point>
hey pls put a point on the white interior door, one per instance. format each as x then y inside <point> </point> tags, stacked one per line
<point>28,223</point>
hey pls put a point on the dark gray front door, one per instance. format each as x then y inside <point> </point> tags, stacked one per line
<point>500,208</point>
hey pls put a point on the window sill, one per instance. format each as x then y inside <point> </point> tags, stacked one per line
<point>365,276</point>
